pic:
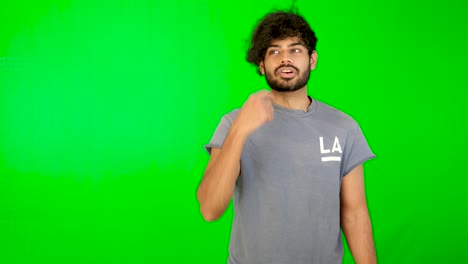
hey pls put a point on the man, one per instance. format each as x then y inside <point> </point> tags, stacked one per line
<point>292,163</point>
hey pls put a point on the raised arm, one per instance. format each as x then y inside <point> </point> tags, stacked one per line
<point>221,173</point>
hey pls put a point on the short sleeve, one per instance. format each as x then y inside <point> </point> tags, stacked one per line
<point>356,152</point>
<point>219,135</point>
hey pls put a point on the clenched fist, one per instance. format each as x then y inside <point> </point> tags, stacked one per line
<point>256,111</point>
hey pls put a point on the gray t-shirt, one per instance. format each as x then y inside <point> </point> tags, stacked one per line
<point>287,196</point>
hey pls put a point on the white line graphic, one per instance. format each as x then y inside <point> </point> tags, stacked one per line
<point>331,158</point>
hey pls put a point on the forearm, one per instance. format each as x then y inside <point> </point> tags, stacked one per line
<point>357,228</point>
<point>217,187</point>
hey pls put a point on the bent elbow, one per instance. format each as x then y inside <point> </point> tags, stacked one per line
<point>209,215</point>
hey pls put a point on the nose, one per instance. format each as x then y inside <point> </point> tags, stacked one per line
<point>285,60</point>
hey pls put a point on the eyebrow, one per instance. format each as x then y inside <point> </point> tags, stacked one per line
<point>290,45</point>
<point>296,44</point>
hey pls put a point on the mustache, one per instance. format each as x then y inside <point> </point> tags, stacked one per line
<point>286,66</point>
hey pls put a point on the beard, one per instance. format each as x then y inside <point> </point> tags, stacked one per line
<point>287,85</point>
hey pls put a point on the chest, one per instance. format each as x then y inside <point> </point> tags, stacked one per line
<point>298,154</point>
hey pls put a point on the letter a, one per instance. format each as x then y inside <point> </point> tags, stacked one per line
<point>336,146</point>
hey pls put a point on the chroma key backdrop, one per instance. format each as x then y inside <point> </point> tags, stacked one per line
<point>105,107</point>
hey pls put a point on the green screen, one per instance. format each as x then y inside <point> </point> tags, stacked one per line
<point>105,107</point>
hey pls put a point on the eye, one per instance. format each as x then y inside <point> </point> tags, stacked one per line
<point>296,50</point>
<point>271,52</point>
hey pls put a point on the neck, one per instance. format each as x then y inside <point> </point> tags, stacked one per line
<point>297,100</point>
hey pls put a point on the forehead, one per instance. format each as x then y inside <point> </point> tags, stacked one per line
<point>286,42</point>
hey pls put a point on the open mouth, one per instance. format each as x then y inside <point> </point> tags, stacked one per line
<point>286,72</point>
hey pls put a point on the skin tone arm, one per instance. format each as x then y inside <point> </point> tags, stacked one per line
<point>221,173</point>
<point>216,189</point>
<point>355,220</point>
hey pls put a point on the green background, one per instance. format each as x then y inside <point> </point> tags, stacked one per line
<point>105,107</point>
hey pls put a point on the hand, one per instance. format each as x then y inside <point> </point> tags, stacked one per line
<point>256,111</point>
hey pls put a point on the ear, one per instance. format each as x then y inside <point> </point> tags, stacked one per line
<point>313,60</point>
<point>261,66</point>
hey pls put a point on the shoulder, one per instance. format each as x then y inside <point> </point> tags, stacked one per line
<point>231,116</point>
<point>333,116</point>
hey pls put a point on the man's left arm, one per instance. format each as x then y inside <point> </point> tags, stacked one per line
<point>355,220</point>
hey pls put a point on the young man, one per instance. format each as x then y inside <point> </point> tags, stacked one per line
<point>292,163</point>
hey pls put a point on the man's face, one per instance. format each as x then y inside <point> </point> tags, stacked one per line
<point>287,64</point>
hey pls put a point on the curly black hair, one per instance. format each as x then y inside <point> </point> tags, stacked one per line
<point>279,25</point>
